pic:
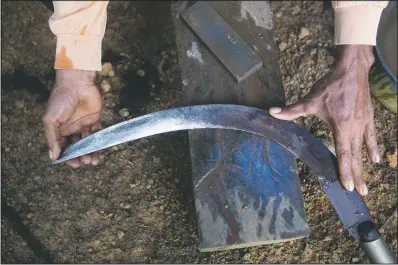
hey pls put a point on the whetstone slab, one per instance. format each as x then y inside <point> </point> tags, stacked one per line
<point>246,188</point>
<point>233,52</point>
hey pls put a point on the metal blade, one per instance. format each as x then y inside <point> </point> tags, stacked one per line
<point>349,206</point>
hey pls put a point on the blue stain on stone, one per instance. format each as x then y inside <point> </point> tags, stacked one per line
<point>264,168</point>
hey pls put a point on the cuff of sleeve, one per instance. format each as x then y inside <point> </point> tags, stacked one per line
<point>356,25</point>
<point>81,52</point>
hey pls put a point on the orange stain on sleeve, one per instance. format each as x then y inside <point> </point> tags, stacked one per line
<point>62,61</point>
<point>83,31</point>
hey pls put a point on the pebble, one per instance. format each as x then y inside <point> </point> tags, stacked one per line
<point>124,112</point>
<point>106,68</point>
<point>29,215</point>
<point>150,181</point>
<point>141,72</point>
<point>120,235</point>
<point>37,178</point>
<point>8,149</point>
<point>279,14</point>
<point>246,256</point>
<point>105,85</point>
<point>304,32</point>
<point>354,260</point>
<point>19,103</point>
<point>125,206</point>
<point>391,157</point>
<point>282,46</point>
<point>313,51</point>
<point>4,118</point>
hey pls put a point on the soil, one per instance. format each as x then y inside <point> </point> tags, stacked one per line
<point>137,205</point>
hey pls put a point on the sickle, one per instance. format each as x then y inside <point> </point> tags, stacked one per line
<point>349,206</point>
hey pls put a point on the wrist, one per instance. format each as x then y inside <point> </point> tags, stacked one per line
<point>80,77</point>
<point>349,54</point>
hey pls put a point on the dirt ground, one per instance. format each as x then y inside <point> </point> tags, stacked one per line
<point>137,205</point>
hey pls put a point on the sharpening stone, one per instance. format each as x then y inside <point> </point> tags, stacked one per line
<point>234,53</point>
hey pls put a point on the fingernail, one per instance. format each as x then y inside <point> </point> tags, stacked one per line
<point>275,110</point>
<point>350,185</point>
<point>364,190</point>
<point>50,154</point>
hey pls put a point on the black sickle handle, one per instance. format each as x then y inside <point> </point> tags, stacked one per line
<point>374,245</point>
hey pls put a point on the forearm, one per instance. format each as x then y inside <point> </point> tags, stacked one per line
<point>79,27</point>
<point>356,22</point>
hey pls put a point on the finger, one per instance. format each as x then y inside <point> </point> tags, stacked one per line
<point>356,165</point>
<point>86,159</point>
<point>343,151</point>
<point>95,156</point>
<point>53,136</point>
<point>96,127</point>
<point>294,111</point>
<point>95,159</point>
<point>78,125</point>
<point>371,142</point>
<point>75,162</point>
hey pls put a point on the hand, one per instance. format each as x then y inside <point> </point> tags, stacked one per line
<point>342,99</point>
<point>74,109</point>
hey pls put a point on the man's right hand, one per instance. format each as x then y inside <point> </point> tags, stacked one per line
<point>74,109</point>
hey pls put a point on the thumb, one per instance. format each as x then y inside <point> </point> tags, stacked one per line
<point>291,112</point>
<point>54,137</point>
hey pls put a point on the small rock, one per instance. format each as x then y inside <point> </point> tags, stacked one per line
<point>282,46</point>
<point>313,51</point>
<point>141,72</point>
<point>156,160</point>
<point>279,14</point>
<point>161,207</point>
<point>34,43</point>
<point>124,112</point>
<point>304,32</point>
<point>106,68</point>
<point>354,260</point>
<point>150,181</point>
<point>246,256</point>
<point>4,118</point>
<point>8,149</point>
<point>29,215</point>
<point>120,235</point>
<point>37,178</point>
<point>148,186</point>
<point>19,103</point>
<point>391,157</point>
<point>105,85</point>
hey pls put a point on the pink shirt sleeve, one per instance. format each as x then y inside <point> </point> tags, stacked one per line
<point>79,27</point>
<point>356,22</point>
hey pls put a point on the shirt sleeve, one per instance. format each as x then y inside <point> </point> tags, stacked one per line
<point>356,22</point>
<point>79,27</point>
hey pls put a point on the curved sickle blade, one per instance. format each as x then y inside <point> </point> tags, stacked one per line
<point>350,207</point>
